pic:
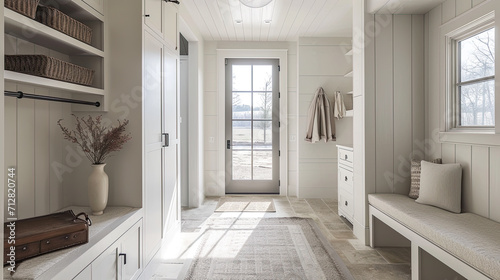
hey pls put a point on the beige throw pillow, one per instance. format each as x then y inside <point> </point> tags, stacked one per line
<point>415,177</point>
<point>441,186</point>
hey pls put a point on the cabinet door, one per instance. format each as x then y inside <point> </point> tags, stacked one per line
<point>153,90</point>
<point>171,34</point>
<point>171,153</point>
<point>153,16</point>
<point>85,274</point>
<point>131,250</point>
<point>97,5</point>
<point>104,267</point>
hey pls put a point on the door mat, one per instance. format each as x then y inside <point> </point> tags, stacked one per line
<point>245,204</point>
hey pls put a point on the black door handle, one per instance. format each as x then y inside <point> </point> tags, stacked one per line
<point>228,145</point>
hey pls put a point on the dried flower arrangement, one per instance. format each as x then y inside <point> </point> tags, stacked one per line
<point>96,141</point>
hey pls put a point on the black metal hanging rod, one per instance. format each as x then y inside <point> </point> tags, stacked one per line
<point>20,94</point>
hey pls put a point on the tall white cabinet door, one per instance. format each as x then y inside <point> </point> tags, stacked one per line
<point>153,15</point>
<point>170,25</point>
<point>131,250</point>
<point>104,267</point>
<point>170,204</point>
<point>153,88</point>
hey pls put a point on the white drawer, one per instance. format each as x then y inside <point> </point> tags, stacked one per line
<point>345,203</point>
<point>345,157</point>
<point>346,177</point>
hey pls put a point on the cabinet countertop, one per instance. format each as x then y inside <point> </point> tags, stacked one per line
<point>44,266</point>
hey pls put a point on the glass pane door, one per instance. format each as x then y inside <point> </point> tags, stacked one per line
<point>252,126</point>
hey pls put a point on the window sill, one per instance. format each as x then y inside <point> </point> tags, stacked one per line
<point>488,138</point>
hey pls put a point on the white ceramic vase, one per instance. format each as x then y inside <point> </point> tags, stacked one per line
<point>98,189</point>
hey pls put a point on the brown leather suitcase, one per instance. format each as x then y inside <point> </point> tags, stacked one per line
<point>40,235</point>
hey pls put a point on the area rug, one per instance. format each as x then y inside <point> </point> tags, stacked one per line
<point>271,248</point>
<point>245,204</point>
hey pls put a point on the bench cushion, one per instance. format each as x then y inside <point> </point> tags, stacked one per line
<point>471,238</point>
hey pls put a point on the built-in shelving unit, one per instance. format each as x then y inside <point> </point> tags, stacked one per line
<point>30,30</point>
<point>91,56</point>
<point>50,83</point>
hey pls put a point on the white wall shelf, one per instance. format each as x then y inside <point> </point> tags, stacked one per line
<point>349,114</point>
<point>40,34</point>
<point>348,75</point>
<point>50,83</point>
<point>349,53</point>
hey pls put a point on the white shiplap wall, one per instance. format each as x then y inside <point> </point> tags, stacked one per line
<point>322,63</point>
<point>480,163</point>
<point>33,141</point>
<point>212,109</point>
<point>399,99</point>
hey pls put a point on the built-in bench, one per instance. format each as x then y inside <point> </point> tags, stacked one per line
<point>467,243</point>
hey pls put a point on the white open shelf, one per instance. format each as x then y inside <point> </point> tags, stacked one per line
<point>349,53</point>
<point>49,83</point>
<point>23,27</point>
<point>348,75</point>
<point>349,113</point>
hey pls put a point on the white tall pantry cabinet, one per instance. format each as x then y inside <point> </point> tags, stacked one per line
<point>147,33</point>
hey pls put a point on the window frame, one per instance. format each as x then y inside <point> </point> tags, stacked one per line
<point>452,77</point>
<point>456,81</point>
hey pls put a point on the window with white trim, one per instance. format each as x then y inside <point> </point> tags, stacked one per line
<point>474,81</point>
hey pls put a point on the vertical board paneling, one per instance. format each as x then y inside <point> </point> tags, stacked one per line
<point>42,164</point>
<point>477,2</point>
<point>384,104</point>
<point>448,11</point>
<point>495,183</point>
<point>463,156</point>
<point>403,102</point>
<point>448,153</point>
<point>57,167</point>
<point>418,81</point>
<point>10,134</point>
<point>26,155</point>
<point>463,6</point>
<point>479,181</point>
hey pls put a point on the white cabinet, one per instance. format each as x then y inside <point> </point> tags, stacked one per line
<point>170,23</point>
<point>153,16</point>
<point>122,260</point>
<point>170,151</point>
<point>345,182</point>
<point>153,91</point>
<point>85,274</point>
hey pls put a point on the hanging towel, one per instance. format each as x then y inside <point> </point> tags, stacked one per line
<point>321,124</point>
<point>339,106</point>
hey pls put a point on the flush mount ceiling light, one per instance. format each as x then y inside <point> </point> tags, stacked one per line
<point>255,3</point>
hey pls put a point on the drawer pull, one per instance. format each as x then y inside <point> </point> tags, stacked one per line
<point>345,157</point>
<point>346,203</point>
<point>66,237</point>
<point>25,248</point>
<point>147,15</point>
<point>345,178</point>
<point>124,257</point>
<point>47,242</point>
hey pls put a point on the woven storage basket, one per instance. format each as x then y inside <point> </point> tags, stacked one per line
<point>49,67</point>
<point>64,23</point>
<point>25,7</point>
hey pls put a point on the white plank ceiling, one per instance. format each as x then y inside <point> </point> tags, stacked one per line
<point>289,19</point>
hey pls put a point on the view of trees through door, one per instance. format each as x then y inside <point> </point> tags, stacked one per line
<point>252,126</point>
